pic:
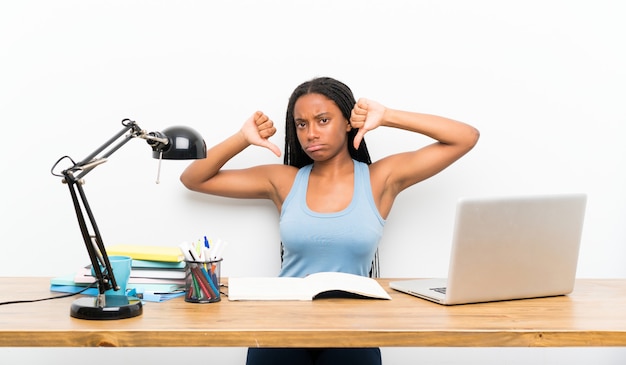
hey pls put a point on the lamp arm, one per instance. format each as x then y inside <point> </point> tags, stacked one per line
<point>86,221</point>
<point>93,242</point>
<point>92,160</point>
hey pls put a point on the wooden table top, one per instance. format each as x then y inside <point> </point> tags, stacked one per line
<point>593,315</point>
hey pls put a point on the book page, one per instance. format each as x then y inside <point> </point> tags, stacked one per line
<point>284,288</point>
<point>350,283</point>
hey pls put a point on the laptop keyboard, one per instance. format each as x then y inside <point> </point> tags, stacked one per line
<point>439,290</point>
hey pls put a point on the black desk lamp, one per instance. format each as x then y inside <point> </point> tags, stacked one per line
<point>175,143</point>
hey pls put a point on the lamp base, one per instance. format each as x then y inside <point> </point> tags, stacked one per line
<point>116,307</point>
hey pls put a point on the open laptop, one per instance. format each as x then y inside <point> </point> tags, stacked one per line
<point>508,248</point>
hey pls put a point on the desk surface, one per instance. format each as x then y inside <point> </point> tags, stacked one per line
<point>593,315</point>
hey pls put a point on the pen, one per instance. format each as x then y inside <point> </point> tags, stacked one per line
<point>204,285</point>
<point>184,248</point>
<point>193,257</point>
<point>198,247</point>
<point>197,293</point>
<point>211,282</point>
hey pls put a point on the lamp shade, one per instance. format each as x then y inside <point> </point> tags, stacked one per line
<point>184,143</point>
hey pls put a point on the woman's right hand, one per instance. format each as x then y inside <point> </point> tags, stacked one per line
<point>258,129</point>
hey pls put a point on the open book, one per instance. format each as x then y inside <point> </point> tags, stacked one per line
<point>307,288</point>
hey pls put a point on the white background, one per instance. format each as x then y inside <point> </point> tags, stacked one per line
<point>543,81</point>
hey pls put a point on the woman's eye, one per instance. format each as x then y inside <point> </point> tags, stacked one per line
<point>324,120</point>
<point>300,124</point>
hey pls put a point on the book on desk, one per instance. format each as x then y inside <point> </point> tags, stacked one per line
<point>147,252</point>
<point>314,286</point>
<point>153,280</point>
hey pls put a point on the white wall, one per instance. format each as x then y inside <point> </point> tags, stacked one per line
<point>542,80</point>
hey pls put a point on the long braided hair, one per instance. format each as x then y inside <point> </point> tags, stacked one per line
<point>339,93</point>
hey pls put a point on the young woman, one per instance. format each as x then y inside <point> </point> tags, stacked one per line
<point>332,200</point>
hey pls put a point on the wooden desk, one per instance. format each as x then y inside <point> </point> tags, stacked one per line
<point>593,315</point>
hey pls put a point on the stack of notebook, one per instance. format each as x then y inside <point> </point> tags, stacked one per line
<point>157,274</point>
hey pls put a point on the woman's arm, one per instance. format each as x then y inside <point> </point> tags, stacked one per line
<point>206,175</point>
<point>397,172</point>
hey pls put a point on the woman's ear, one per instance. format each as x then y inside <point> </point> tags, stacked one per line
<point>348,126</point>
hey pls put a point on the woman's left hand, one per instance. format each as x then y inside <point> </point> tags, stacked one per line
<point>366,115</point>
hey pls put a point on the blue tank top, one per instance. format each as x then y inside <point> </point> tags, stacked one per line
<point>343,241</point>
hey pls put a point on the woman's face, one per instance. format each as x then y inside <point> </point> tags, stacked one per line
<point>320,127</point>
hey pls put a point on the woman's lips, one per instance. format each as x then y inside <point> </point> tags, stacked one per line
<point>313,147</point>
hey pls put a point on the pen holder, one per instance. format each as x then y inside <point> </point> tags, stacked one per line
<point>202,281</point>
